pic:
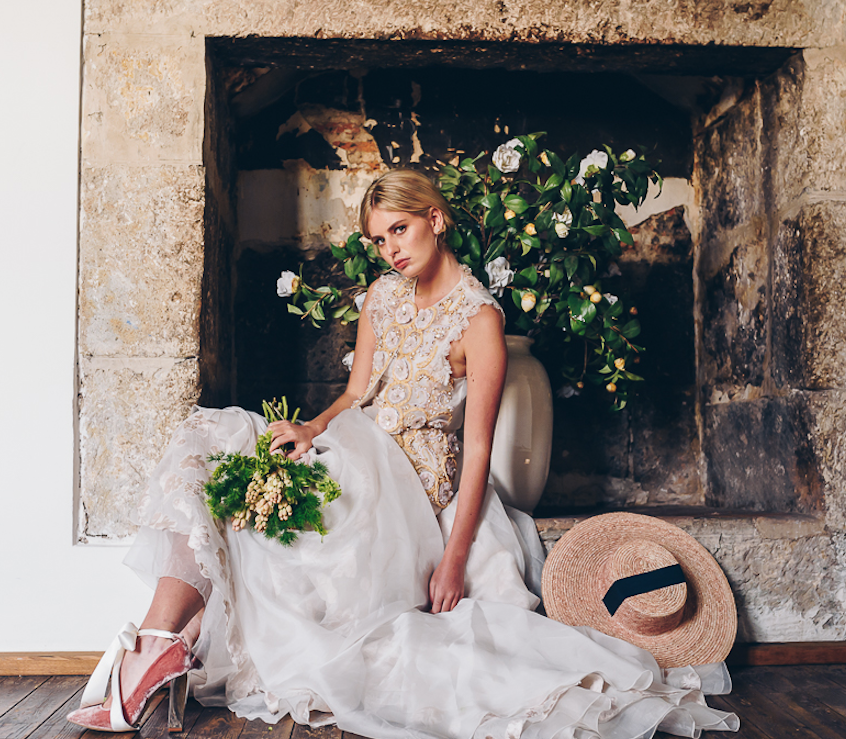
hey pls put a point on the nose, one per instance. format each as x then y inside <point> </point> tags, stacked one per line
<point>391,247</point>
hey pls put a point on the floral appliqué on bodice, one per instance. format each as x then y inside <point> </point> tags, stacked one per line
<point>411,389</point>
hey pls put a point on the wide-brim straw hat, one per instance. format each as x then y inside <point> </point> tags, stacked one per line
<point>690,622</point>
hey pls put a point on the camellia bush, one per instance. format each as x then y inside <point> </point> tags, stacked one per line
<point>542,235</point>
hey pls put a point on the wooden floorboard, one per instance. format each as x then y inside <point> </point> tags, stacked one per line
<point>773,702</point>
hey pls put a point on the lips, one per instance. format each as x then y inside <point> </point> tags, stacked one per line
<point>401,263</point>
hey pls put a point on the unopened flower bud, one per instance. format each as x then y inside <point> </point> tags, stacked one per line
<point>509,214</point>
<point>620,363</point>
<point>530,229</point>
<point>528,301</point>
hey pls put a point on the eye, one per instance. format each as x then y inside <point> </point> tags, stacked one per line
<point>378,240</point>
<point>400,229</point>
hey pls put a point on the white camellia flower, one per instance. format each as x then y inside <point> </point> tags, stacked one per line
<point>596,158</point>
<point>287,284</point>
<point>500,275</point>
<point>347,361</point>
<point>563,221</point>
<point>506,158</point>
<point>610,298</point>
<point>358,301</point>
<point>628,155</point>
<point>528,301</point>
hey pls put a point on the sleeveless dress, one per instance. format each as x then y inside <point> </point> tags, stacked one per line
<point>334,630</point>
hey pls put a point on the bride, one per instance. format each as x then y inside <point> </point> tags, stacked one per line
<point>411,618</point>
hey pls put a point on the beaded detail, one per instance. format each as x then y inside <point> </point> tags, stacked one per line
<point>411,383</point>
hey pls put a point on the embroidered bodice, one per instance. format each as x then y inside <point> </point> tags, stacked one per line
<point>412,393</point>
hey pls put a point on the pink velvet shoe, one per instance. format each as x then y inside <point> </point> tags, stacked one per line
<point>172,666</point>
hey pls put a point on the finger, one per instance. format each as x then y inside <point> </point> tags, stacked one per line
<point>437,606</point>
<point>299,449</point>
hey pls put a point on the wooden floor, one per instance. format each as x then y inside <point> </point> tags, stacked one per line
<point>772,702</point>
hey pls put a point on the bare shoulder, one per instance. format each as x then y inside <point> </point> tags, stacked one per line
<point>485,325</point>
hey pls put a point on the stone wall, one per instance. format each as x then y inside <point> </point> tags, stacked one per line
<point>161,250</point>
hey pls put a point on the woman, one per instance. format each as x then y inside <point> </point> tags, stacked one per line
<point>370,627</point>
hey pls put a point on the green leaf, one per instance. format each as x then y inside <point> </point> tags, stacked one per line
<point>571,264</point>
<point>454,239</point>
<point>494,173</point>
<point>497,249</point>
<point>338,252</point>
<point>624,236</point>
<point>531,275</point>
<point>554,182</point>
<point>491,200</point>
<point>517,297</point>
<point>317,312</point>
<point>556,274</point>
<point>293,309</point>
<point>339,311</point>
<point>597,230</point>
<point>566,191</point>
<point>516,203</point>
<point>475,248</point>
<point>631,329</point>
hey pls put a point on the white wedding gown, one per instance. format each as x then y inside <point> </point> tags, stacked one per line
<point>334,629</point>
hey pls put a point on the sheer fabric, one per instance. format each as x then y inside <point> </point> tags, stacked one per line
<point>335,629</point>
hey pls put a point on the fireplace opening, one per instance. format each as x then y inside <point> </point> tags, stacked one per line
<point>296,130</point>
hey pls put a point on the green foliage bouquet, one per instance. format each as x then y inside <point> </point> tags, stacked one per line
<point>269,492</point>
<point>542,235</point>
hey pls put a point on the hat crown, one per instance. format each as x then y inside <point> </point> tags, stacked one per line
<point>654,612</point>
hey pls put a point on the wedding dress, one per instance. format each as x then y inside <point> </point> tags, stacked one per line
<point>334,629</point>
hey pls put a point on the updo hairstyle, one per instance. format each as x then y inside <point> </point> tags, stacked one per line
<point>407,191</point>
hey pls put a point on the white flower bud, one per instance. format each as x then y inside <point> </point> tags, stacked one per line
<point>287,284</point>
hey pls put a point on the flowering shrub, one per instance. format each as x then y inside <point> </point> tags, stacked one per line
<point>542,234</point>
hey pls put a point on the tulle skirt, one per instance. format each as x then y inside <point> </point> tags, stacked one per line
<point>334,629</point>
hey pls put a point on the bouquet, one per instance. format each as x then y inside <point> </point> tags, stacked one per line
<point>542,234</point>
<point>269,492</point>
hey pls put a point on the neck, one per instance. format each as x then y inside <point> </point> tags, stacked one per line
<point>436,282</point>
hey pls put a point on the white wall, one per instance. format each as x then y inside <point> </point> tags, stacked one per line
<point>53,595</point>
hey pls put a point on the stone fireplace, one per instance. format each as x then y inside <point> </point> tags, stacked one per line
<point>223,142</point>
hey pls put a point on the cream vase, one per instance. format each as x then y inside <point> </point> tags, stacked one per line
<point>522,442</point>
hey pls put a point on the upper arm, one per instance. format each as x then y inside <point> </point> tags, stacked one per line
<point>365,346</point>
<point>486,361</point>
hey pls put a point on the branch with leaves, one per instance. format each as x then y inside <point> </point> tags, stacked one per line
<point>542,234</point>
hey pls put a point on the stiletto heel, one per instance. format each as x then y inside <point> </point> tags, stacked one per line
<point>171,666</point>
<point>176,702</point>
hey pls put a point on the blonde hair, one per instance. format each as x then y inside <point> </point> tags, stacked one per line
<point>407,191</point>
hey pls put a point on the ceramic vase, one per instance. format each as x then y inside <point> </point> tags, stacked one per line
<point>523,437</point>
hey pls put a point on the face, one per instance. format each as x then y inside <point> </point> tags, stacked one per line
<point>408,242</point>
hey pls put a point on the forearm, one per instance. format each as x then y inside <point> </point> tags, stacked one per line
<point>474,483</point>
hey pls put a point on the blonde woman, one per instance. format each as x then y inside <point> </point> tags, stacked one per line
<point>411,618</point>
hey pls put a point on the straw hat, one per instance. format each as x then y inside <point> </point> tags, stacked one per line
<point>667,594</point>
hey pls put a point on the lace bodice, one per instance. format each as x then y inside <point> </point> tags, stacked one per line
<point>412,393</point>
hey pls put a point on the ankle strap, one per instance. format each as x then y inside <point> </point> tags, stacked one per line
<point>125,641</point>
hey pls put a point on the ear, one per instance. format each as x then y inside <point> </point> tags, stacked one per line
<point>436,219</point>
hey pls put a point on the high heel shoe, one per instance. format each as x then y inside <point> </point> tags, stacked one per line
<point>171,666</point>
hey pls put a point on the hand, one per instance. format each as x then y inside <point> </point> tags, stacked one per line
<point>285,432</point>
<point>446,586</point>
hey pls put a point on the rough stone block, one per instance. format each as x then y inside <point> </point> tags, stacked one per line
<point>729,162</point>
<point>734,320</point>
<point>141,260</point>
<point>828,434</point>
<point>777,23</point>
<point>760,456</point>
<point>142,98</point>
<point>809,333</point>
<point>804,112</point>
<point>128,412</point>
